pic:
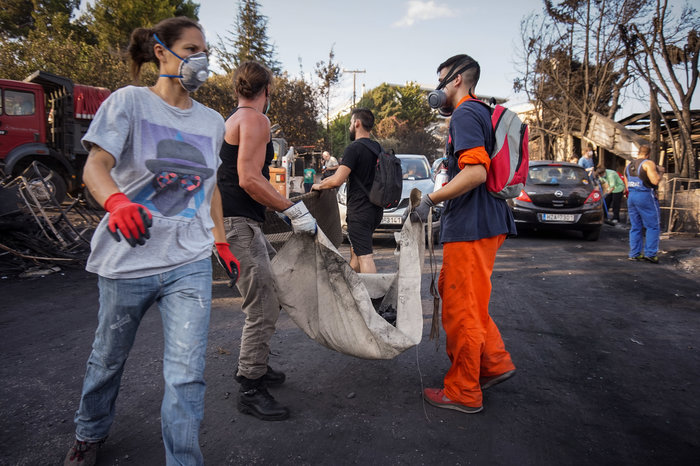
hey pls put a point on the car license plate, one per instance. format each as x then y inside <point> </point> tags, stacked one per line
<point>392,220</point>
<point>558,217</point>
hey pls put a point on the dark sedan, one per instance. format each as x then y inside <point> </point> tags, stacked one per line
<point>559,196</point>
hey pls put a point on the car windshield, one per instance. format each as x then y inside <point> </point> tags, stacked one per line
<point>557,175</point>
<point>415,169</point>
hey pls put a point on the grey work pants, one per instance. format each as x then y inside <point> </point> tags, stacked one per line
<point>255,283</point>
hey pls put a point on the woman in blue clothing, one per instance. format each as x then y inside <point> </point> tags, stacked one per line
<point>642,178</point>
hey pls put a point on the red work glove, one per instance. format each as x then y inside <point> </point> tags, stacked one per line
<point>133,220</point>
<point>228,261</point>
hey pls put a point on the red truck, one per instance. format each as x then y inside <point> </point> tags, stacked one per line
<point>43,118</point>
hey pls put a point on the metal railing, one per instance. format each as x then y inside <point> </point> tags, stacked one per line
<point>688,187</point>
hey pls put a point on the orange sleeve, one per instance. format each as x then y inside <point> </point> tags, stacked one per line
<point>474,156</point>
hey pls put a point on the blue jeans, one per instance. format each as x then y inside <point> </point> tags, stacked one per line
<point>643,210</point>
<point>184,301</point>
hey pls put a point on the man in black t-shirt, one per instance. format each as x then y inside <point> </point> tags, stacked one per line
<point>358,166</point>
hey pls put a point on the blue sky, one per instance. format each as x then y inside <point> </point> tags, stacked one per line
<point>394,41</point>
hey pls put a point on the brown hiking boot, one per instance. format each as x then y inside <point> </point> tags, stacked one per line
<point>82,453</point>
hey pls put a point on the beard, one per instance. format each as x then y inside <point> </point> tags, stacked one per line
<point>352,134</point>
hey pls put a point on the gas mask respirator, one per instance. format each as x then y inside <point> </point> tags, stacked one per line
<point>438,99</point>
<point>193,71</point>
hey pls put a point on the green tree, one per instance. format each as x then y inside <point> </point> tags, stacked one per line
<point>329,74</point>
<point>340,134</point>
<point>248,41</point>
<point>111,21</point>
<point>383,100</point>
<point>18,17</point>
<point>54,46</point>
<point>217,93</point>
<point>88,50</point>
<point>403,119</point>
<point>294,108</point>
<point>413,106</point>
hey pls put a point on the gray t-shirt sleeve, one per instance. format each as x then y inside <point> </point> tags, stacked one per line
<point>166,161</point>
<point>112,125</point>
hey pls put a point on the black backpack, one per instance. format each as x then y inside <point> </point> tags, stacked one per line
<point>388,178</point>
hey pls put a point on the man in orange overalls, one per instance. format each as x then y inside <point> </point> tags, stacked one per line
<point>474,225</point>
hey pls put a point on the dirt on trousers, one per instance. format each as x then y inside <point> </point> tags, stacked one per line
<point>607,351</point>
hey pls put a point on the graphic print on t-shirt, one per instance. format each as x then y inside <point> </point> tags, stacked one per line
<point>179,169</point>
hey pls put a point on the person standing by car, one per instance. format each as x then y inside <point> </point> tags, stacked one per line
<point>153,155</point>
<point>243,179</point>
<point>474,225</point>
<point>309,175</point>
<point>613,190</point>
<point>358,166</point>
<point>330,165</point>
<point>642,178</point>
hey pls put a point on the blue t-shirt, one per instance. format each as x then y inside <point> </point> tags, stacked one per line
<point>476,214</point>
<point>586,162</point>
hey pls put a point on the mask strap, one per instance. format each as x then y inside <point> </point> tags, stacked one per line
<point>452,75</point>
<point>155,36</point>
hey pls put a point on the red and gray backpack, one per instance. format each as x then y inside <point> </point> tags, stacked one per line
<point>510,156</point>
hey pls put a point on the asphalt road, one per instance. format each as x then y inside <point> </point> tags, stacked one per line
<point>607,350</point>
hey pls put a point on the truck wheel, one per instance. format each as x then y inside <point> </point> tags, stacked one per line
<point>54,181</point>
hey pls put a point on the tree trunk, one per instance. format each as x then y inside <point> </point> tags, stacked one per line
<point>689,170</point>
<point>654,125</point>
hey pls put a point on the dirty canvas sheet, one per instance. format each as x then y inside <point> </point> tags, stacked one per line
<point>333,304</point>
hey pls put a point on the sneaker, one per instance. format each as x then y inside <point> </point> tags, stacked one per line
<point>254,399</point>
<point>653,259</point>
<point>487,382</point>
<point>82,453</point>
<point>272,378</point>
<point>638,257</point>
<point>437,398</point>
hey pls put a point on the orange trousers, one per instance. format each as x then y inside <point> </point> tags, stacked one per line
<point>474,344</point>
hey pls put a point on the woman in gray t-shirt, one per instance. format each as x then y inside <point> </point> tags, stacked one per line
<point>152,164</point>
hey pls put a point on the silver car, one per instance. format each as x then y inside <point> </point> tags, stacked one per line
<point>417,173</point>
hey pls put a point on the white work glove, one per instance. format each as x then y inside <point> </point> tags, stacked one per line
<point>300,219</point>
<point>423,209</point>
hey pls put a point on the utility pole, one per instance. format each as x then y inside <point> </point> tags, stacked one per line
<point>354,77</point>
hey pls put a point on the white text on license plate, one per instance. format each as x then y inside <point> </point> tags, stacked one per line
<point>558,217</point>
<point>392,220</point>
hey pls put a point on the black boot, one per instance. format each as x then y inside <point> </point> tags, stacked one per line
<point>254,399</point>
<point>271,378</point>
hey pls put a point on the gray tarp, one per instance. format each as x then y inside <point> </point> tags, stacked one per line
<point>333,304</point>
